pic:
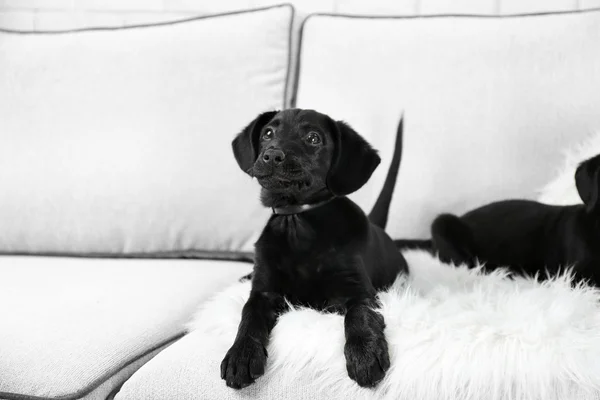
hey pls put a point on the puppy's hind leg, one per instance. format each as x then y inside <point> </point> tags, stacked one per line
<point>452,240</point>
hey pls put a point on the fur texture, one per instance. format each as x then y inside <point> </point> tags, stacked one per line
<point>453,334</point>
<point>561,190</point>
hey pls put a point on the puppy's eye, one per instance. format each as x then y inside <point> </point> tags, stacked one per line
<point>313,138</point>
<point>267,135</point>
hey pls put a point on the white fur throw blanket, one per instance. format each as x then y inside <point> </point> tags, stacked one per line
<point>453,333</point>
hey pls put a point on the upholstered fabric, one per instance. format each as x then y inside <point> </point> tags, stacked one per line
<point>119,141</point>
<point>453,334</point>
<point>189,370</point>
<point>51,16</point>
<point>489,102</point>
<point>77,327</point>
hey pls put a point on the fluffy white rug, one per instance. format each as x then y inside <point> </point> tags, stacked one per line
<point>454,334</point>
<point>562,190</point>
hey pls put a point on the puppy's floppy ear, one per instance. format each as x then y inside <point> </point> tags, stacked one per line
<point>353,162</point>
<point>587,179</point>
<point>245,144</point>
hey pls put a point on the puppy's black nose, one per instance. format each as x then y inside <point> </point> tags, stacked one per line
<point>273,156</point>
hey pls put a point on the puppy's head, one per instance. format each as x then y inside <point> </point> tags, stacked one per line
<point>302,154</point>
<point>587,179</point>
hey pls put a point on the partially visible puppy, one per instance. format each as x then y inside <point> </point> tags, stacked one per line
<point>318,249</point>
<point>526,236</point>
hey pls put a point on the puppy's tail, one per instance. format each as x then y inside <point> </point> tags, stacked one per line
<point>414,244</point>
<point>379,214</point>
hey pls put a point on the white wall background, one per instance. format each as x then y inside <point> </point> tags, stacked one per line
<point>44,15</point>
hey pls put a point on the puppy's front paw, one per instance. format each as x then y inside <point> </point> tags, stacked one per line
<point>367,358</point>
<point>244,362</point>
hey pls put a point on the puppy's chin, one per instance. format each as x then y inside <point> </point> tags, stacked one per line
<point>276,184</point>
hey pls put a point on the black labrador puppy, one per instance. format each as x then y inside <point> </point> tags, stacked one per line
<point>526,236</point>
<point>318,248</point>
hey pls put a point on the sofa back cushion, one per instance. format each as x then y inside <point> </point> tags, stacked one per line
<point>489,102</point>
<point>118,141</point>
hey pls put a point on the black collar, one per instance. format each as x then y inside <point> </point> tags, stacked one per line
<point>297,209</point>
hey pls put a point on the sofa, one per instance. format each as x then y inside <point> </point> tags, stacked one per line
<point>122,209</point>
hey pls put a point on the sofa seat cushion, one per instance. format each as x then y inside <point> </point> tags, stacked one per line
<point>453,333</point>
<point>77,327</point>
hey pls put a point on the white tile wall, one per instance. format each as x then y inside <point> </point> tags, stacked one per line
<point>379,7</point>
<point>585,4</point>
<point>485,7</point>
<point>20,3</point>
<point>117,5</point>
<point>68,14</point>
<point>523,6</point>
<point>206,6</point>
<point>52,4</point>
<point>17,19</point>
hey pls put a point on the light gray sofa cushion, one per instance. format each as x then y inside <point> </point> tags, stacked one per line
<point>490,102</point>
<point>77,327</point>
<point>189,370</point>
<point>117,141</point>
